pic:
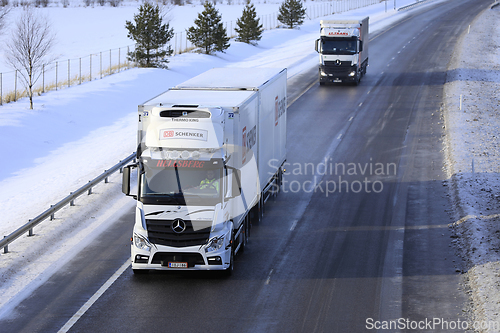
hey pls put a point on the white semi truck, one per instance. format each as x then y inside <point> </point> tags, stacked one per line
<point>343,50</point>
<point>210,152</point>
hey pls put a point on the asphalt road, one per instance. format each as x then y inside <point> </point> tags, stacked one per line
<point>358,235</point>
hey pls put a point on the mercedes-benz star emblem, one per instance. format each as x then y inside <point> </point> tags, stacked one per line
<point>338,62</point>
<point>178,226</point>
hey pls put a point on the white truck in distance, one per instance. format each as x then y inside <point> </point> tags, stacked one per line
<point>210,153</point>
<point>343,50</point>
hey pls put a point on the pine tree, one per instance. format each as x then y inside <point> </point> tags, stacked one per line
<point>248,27</point>
<point>291,13</point>
<point>209,33</point>
<point>151,36</point>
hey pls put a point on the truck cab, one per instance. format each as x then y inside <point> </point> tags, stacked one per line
<point>343,50</point>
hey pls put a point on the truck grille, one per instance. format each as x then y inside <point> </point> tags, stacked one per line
<point>160,232</point>
<point>342,69</point>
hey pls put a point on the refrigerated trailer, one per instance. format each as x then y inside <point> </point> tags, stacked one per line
<point>210,152</point>
<point>343,49</point>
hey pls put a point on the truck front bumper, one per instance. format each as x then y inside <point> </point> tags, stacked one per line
<point>159,257</point>
<point>334,75</point>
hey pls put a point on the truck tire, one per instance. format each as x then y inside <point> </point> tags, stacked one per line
<point>229,271</point>
<point>245,233</point>
<point>358,78</point>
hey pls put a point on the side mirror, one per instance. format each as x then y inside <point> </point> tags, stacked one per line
<point>126,180</point>
<point>235,181</point>
<point>316,46</point>
<point>236,190</point>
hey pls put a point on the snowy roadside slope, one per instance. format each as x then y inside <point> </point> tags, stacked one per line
<point>473,152</point>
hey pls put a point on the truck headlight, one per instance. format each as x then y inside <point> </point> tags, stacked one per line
<point>214,244</point>
<point>353,73</point>
<point>141,243</point>
<point>323,73</point>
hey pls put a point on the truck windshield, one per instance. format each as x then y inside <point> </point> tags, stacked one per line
<point>181,182</point>
<point>338,46</point>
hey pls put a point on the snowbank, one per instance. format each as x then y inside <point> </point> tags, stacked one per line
<point>472,107</point>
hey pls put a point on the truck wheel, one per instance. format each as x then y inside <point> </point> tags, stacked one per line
<point>229,271</point>
<point>358,78</point>
<point>244,235</point>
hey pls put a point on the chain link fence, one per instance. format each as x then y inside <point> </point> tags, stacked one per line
<point>66,73</point>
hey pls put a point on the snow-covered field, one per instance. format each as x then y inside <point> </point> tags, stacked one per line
<point>76,133</point>
<point>472,120</point>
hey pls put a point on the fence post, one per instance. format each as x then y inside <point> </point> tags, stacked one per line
<point>90,67</point>
<point>1,95</point>
<point>15,87</point>
<point>57,63</point>
<point>69,73</point>
<point>100,64</point>
<point>43,78</point>
<point>110,62</point>
<point>119,53</point>
<point>80,70</point>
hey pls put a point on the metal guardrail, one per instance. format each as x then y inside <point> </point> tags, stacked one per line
<point>418,2</point>
<point>70,199</point>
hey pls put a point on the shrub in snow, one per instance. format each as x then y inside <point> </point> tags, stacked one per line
<point>151,37</point>
<point>248,27</point>
<point>291,13</point>
<point>209,32</point>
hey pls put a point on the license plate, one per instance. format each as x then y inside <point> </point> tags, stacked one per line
<point>337,80</point>
<point>178,264</point>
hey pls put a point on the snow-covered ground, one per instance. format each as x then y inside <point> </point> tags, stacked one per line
<point>472,120</point>
<point>74,134</point>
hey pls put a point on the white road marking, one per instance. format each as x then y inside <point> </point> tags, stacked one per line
<point>94,298</point>
<point>269,277</point>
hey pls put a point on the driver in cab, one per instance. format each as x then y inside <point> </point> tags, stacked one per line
<point>210,181</point>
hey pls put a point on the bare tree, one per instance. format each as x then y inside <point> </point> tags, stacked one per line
<point>28,50</point>
<point>4,10</point>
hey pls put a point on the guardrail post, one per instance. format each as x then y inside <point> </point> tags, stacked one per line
<point>90,190</point>
<point>52,215</point>
<point>30,232</point>
<point>106,179</point>
<point>6,248</point>
<point>72,202</point>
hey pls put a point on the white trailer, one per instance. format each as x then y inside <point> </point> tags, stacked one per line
<point>210,151</point>
<point>343,49</point>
